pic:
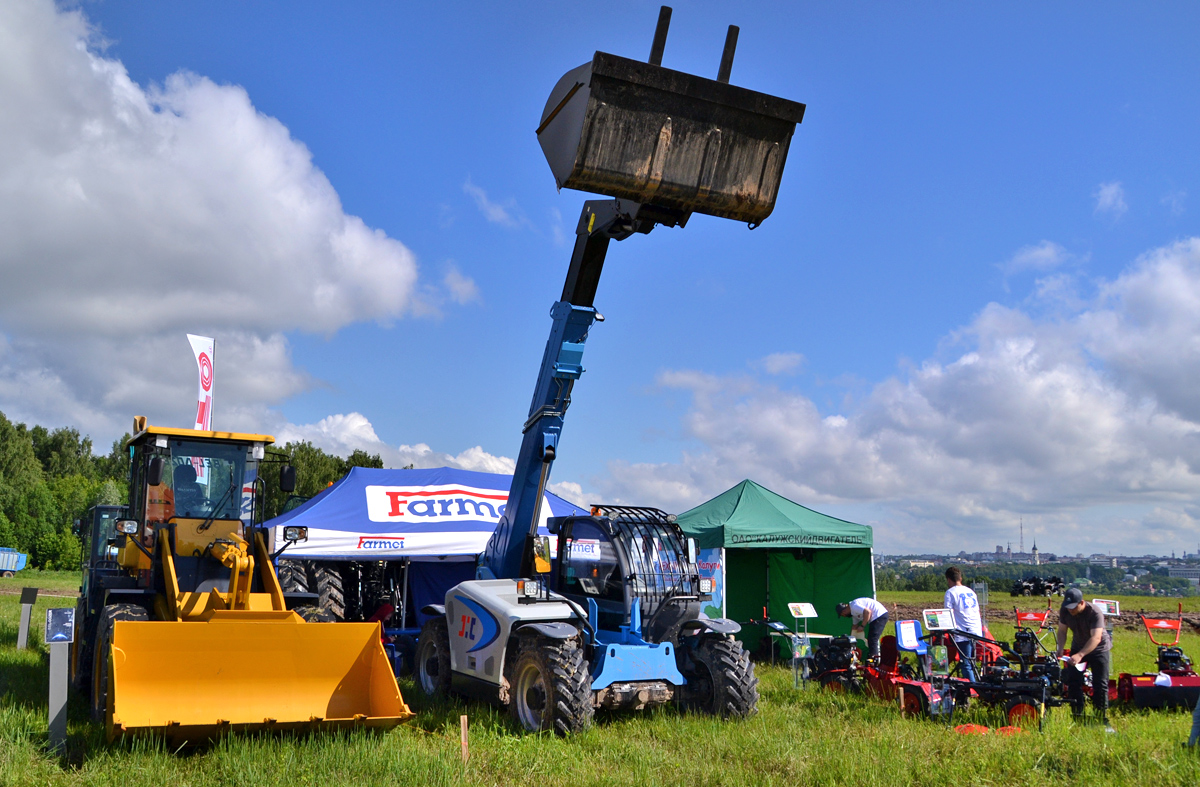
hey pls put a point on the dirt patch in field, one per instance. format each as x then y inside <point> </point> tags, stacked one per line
<point>1129,617</point>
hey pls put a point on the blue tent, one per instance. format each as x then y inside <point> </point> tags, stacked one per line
<point>436,514</point>
<point>435,520</point>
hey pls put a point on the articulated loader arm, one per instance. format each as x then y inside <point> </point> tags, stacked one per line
<point>664,144</point>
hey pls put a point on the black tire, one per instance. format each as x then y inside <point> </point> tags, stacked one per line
<point>292,576</point>
<point>325,580</point>
<point>550,686</point>
<point>432,664</point>
<point>720,679</point>
<point>8,574</point>
<point>81,657</point>
<point>100,661</point>
<point>315,614</point>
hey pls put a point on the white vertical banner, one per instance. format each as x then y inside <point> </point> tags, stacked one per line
<point>203,348</point>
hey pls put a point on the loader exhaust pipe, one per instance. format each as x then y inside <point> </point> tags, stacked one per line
<point>727,55</point>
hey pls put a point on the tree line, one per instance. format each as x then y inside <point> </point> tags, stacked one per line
<point>1001,577</point>
<point>49,478</point>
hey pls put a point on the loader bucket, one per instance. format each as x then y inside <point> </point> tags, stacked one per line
<point>638,131</point>
<point>193,680</point>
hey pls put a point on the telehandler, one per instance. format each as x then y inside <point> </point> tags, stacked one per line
<point>182,628</point>
<point>611,616</point>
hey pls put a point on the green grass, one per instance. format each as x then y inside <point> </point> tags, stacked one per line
<point>1130,605</point>
<point>49,581</point>
<point>798,737</point>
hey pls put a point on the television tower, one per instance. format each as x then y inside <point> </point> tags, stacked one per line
<point>1022,535</point>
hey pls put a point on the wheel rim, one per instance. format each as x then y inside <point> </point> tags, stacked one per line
<point>530,695</point>
<point>427,668</point>
<point>912,703</point>
<point>1023,715</point>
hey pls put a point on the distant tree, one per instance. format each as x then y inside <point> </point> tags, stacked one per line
<point>360,458</point>
<point>63,452</point>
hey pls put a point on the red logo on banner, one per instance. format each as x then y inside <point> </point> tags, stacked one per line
<point>205,372</point>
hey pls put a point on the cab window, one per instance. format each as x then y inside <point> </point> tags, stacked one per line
<point>590,564</point>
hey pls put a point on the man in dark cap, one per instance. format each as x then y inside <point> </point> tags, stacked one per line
<point>1091,646</point>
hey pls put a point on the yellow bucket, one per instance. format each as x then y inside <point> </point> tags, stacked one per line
<point>243,670</point>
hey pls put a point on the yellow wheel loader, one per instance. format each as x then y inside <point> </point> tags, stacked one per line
<point>182,628</point>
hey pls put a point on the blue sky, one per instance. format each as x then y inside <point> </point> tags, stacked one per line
<point>981,239</point>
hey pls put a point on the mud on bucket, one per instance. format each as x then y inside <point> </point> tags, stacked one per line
<point>638,131</point>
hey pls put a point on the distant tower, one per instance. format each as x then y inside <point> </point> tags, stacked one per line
<point>1034,557</point>
<point>1022,535</point>
<point>1010,550</point>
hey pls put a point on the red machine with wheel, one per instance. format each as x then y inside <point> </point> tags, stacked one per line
<point>1176,684</point>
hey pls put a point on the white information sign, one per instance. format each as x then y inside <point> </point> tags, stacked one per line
<point>802,609</point>
<point>937,619</point>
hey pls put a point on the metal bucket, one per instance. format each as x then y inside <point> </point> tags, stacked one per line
<point>638,131</point>
<point>247,671</point>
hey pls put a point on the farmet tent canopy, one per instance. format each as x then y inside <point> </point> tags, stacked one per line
<point>764,550</point>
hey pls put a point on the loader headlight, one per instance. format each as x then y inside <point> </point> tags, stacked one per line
<point>294,534</point>
<point>127,526</point>
<point>705,585</point>
<point>529,588</point>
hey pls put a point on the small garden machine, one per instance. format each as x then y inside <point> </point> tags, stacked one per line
<point>1176,684</point>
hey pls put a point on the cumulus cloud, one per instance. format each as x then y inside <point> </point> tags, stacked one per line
<point>461,288</point>
<point>1042,257</point>
<point>780,363</point>
<point>505,214</point>
<point>342,434</point>
<point>1085,423</point>
<point>1110,199</point>
<point>1175,201</point>
<point>132,215</point>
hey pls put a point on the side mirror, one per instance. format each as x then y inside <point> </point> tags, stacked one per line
<point>691,546</point>
<point>287,479</point>
<point>541,554</point>
<point>154,472</point>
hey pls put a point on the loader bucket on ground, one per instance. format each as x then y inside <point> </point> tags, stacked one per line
<point>638,131</point>
<point>193,680</point>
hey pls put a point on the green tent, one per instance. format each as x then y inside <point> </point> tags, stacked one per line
<point>773,551</point>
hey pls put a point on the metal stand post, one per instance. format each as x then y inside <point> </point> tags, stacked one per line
<point>60,632</point>
<point>28,599</point>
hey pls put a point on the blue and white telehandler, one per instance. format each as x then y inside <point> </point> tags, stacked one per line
<point>610,616</point>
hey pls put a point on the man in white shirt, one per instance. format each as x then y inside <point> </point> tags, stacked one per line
<point>868,615</point>
<point>964,607</point>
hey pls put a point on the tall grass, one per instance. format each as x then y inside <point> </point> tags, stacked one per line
<point>798,737</point>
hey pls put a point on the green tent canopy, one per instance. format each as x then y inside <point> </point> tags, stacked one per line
<point>774,551</point>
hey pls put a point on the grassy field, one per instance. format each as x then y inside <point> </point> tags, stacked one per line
<point>798,737</point>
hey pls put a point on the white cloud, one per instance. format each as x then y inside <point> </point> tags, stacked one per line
<point>1087,424</point>
<point>461,288</point>
<point>1174,201</point>
<point>505,214</point>
<point>1110,199</point>
<point>342,434</point>
<point>130,216</point>
<point>1041,257</point>
<point>780,363</point>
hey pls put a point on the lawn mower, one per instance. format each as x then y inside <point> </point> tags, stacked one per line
<point>1175,685</point>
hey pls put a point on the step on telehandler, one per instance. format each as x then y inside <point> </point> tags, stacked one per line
<point>182,628</point>
<point>610,616</point>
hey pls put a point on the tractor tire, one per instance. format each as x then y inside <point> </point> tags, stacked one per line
<point>293,577</point>
<point>7,574</point>
<point>431,669</point>
<point>550,687</point>
<point>722,681</point>
<point>100,660</point>
<point>325,580</point>
<point>915,703</point>
<point>81,656</point>
<point>1023,712</point>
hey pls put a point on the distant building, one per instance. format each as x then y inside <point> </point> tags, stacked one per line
<point>1035,558</point>
<point>1190,574</point>
<point>921,563</point>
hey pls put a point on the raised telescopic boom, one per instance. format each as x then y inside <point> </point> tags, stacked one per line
<point>665,144</point>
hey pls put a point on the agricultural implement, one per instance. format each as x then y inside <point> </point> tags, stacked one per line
<point>182,628</point>
<point>1176,684</point>
<point>610,617</point>
<point>11,561</point>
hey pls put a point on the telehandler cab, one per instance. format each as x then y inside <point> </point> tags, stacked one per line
<point>611,616</point>
<point>182,627</point>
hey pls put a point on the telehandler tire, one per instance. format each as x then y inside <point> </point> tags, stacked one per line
<point>432,667</point>
<point>722,681</point>
<point>100,661</point>
<point>293,577</point>
<point>325,580</point>
<point>550,686</point>
<point>81,657</point>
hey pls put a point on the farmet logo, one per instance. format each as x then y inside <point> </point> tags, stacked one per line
<point>434,503</point>
<point>381,542</point>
